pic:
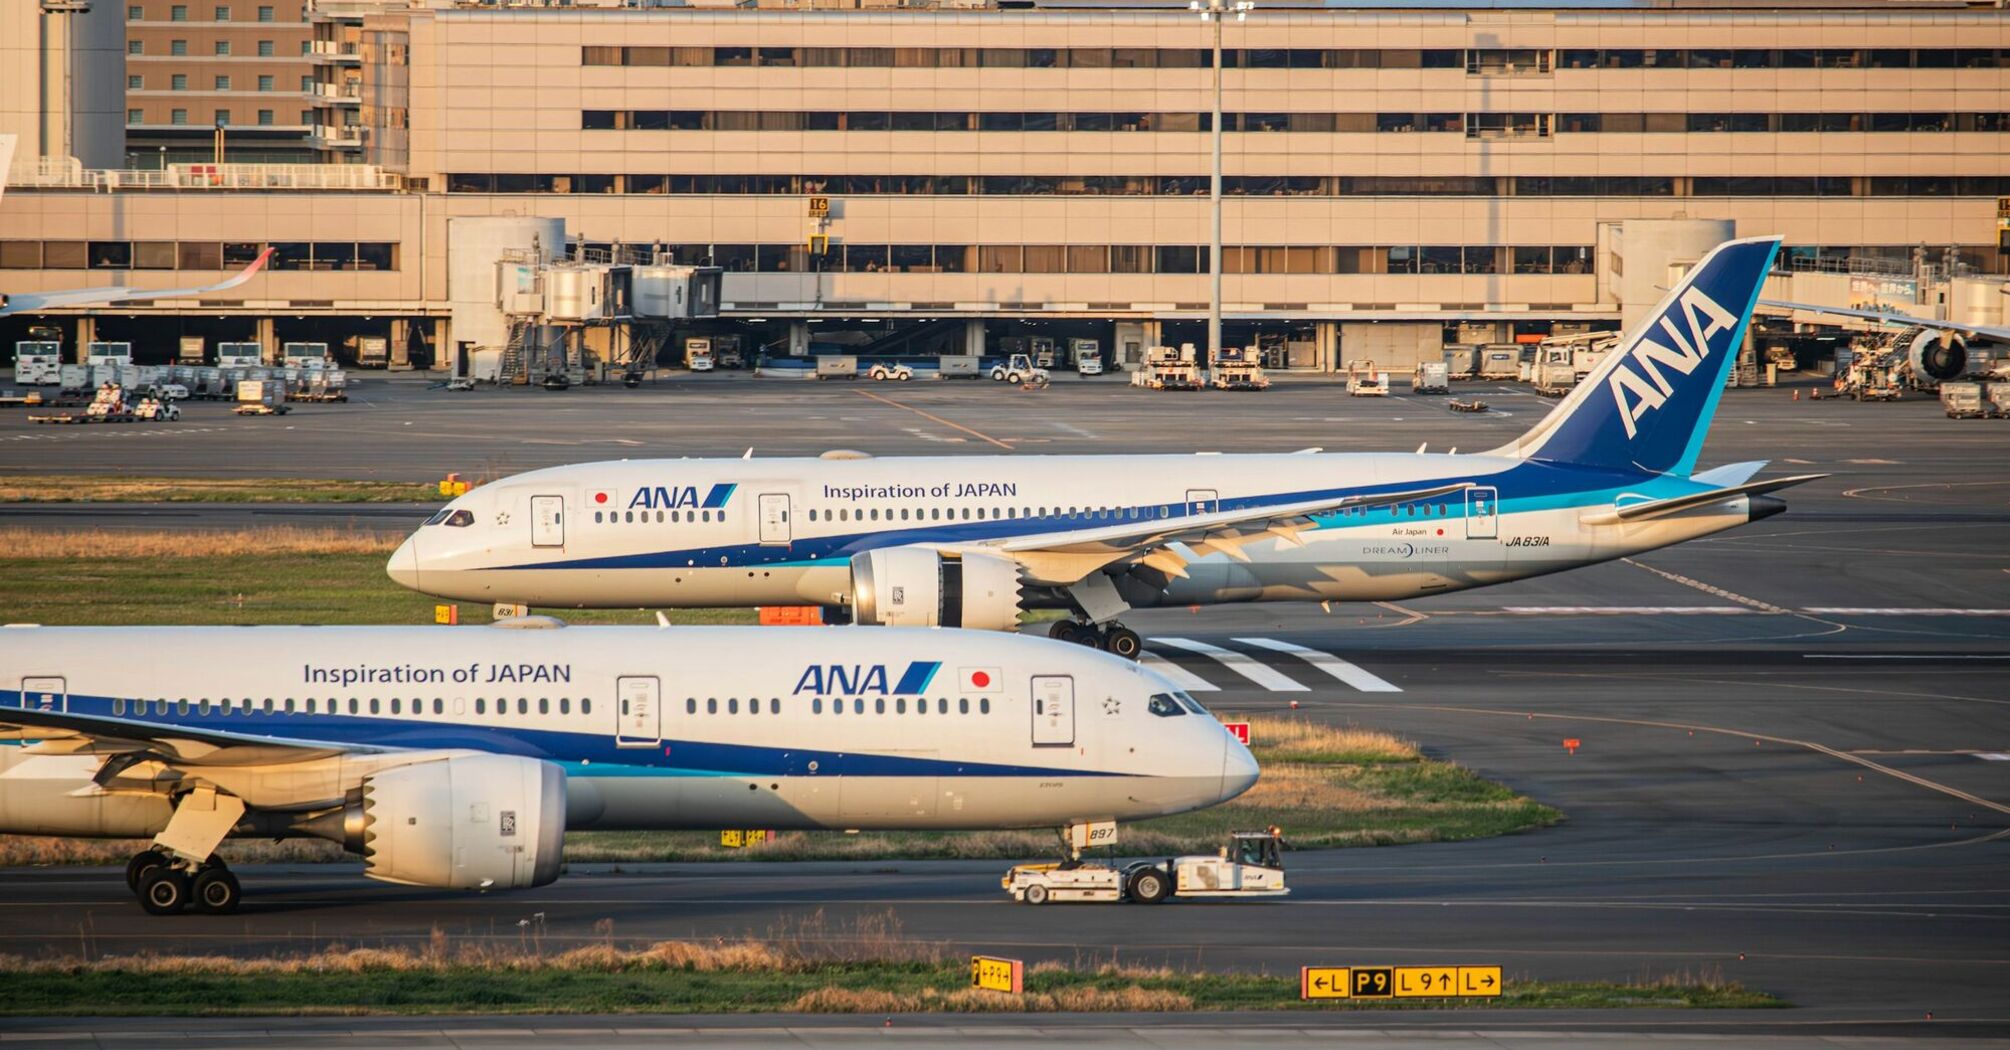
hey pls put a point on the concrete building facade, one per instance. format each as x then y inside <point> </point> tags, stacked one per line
<point>195,65</point>
<point>1384,165</point>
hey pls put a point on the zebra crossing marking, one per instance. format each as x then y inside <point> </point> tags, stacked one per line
<point>1350,673</point>
<point>1240,663</point>
<point>1180,676</point>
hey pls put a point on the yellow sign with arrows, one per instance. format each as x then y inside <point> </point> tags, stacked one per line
<point>1399,982</point>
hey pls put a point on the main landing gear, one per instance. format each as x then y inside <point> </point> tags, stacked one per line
<point>167,886</point>
<point>1111,637</point>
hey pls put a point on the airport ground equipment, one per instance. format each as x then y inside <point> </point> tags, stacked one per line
<point>960,366</point>
<point>1042,350</point>
<point>1460,360</point>
<point>156,410</point>
<point>882,371</point>
<point>108,405</point>
<point>1250,864</point>
<point>698,353</point>
<point>261,397</point>
<point>1364,381</point>
<point>1430,377</point>
<point>1088,356</point>
<point>319,384</point>
<point>1238,368</point>
<point>837,366</point>
<point>1966,400</point>
<point>1169,368</point>
<point>458,757</point>
<point>38,360</point>
<point>726,351</point>
<point>1554,373</point>
<point>1466,405</point>
<point>1019,368</point>
<point>1499,361</point>
<point>1998,394</point>
<point>373,351</point>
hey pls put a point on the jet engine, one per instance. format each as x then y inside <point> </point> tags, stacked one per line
<point>916,587</point>
<point>466,822</point>
<point>1938,356</point>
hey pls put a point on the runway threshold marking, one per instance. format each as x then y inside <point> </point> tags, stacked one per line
<point>1240,663</point>
<point>978,434</point>
<point>1180,676</point>
<point>1350,673</point>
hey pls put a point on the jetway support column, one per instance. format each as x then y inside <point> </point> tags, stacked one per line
<point>268,342</point>
<point>398,353</point>
<point>1326,345</point>
<point>973,337</point>
<point>87,330</point>
<point>799,339</point>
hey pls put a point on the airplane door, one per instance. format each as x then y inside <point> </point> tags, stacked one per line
<point>774,519</point>
<point>1482,513</point>
<point>1053,711</point>
<point>638,712</point>
<point>1202,501</point>
<point>44,694</point>
<point>547,521</point>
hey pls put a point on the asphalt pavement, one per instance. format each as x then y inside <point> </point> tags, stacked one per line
<point>1791,768</point>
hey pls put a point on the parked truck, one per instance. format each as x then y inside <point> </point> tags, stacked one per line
<point>1554,372</point>
<point>1250,864</point>
<point>1169,368</point>
<point>1088,355</point>
<point>1238,368</point>
<point>38,362</point>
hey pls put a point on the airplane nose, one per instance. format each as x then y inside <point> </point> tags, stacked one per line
<point>404,564</point>
<point>1238,767</point>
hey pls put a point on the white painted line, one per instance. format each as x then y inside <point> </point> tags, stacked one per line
<point>1237,662</point>
<point>1629,610</point>
<point>1904,656</point>
<point>1352,674</point>
<point>1847,610</point>
<point>1180,676</point>
<point>1993,756</point>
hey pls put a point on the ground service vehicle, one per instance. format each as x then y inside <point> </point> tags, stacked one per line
<point>1018,368</point>
<point>1364,381</point>
<point>38,362</point>
<point>1088,355</point>
<point>881,371</point>
<point>698,355</point>
<point>1430,378</point>
<point>1251,864</point>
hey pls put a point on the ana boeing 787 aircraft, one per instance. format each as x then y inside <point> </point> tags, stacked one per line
<point>972,541</point>
<point>459,757</point>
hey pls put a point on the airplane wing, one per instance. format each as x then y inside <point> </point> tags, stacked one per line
<point>126,740</point>
<point>1894,319</point>
<point>1067,556</point>
<point>1649,509</point>
<point>35,302</point>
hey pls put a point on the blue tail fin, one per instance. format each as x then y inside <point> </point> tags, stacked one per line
<point>1647,407</point>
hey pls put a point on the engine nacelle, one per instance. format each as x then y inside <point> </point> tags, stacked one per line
<point>914,587</point>
<point>1938,356</point>
<point>467,822</point>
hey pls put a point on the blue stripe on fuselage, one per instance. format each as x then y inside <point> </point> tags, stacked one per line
<point>1522,487</point>
<point>593,752</point>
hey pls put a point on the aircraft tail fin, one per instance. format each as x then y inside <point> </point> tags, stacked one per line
<point>1647,407</point>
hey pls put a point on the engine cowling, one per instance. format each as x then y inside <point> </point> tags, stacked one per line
<point>465,822</point>
<point>1938,356</point>
<point>916,587</point>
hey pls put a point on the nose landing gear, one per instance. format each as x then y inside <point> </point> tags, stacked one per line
<point>1111,637</point>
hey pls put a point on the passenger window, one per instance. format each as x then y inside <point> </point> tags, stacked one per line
<point>523,705</point>
<point>774,705</point>
<point>585,706</point>
<point>858,705</point>
<point>903,513</point>
<point>394,706</point>
<point>984,706</point>
<point>963,705</point>
<point>879,706</point>
<point>439,706</point>
<point>712,705</point>
<point>1164,706</point>
<point>543,705</point>
<point>481,706</point>
<point>837,707</point>
<point>596,516</point>
<point>564,705</point>
<point>118,708</point>
<point>733,706</point>
<point>942,706</point>
<point>373,706</point>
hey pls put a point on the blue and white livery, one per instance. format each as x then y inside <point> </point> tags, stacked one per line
<point>458,757</point>
<point>971,541</point>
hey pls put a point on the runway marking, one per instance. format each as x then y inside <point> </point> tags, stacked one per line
<point>1854,610</point>
<point>1629,610</point>
<point>1993,756</point>
<point>978,434</point>
<point>1908,656</point>
<point>1180,676</point>
<point>1349,673</point>
<point>1706,588</point>
<point>1275,681</point>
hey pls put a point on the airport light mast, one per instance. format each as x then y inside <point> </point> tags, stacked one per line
<point>1214,12</point>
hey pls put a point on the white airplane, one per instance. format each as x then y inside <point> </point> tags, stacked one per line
<point>1940,350</point>
<point>459,757</point>
<point>36,302</point>
<point>973,541</point>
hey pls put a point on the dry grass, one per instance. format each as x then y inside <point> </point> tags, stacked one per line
<point>1303,740</point>
<point>67,488</point>
<point>21,544</point>
<point>1131,999</point>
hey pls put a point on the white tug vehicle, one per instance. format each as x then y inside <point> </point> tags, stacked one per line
<point>1251,864</point>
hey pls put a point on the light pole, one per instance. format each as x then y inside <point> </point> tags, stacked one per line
<point>1214,12</point>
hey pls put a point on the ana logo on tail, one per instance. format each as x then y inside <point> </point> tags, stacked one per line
<point>1637,395</point>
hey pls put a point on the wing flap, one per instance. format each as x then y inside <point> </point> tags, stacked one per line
<point>92,734</point>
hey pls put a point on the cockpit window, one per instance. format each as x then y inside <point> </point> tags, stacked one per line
<point>437,518</point>
<point>1164,706</point>
<point>1189,703</point>
<point>460,519</point>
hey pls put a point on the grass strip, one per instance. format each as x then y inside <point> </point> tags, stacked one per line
<point>865,966</point>
<point>101,488</point>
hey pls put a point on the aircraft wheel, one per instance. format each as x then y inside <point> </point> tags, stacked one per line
<point>1149,886</point>
<point>1122,641</point>
<point>1070,631</point>
<point>216,891</point>
<point>143,863</point>
<point>164,891</point>
<point>1036,894</point>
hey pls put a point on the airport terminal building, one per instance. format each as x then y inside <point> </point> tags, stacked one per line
<point>1393,174</point>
